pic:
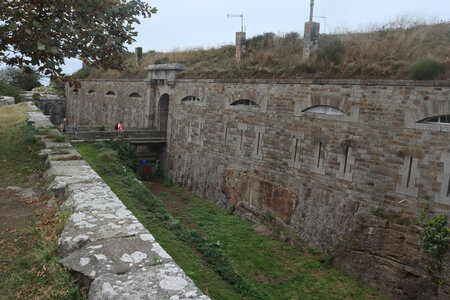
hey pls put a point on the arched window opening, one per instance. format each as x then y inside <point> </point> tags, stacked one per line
<point>442,119</point>
<point>110,93</point>
<point>135,95</point>
<point>190,98</point>
<point>244,102</point>
<point>91,92</point>
<point>325,109</point>
<point>75,92</point>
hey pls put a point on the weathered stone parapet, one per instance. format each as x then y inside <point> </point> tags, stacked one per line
<point>163,72</point>
<point>102,242</point>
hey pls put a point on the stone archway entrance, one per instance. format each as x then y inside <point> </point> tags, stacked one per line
<point>163,112</point>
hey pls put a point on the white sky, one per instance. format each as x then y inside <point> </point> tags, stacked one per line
<point>181,24</point>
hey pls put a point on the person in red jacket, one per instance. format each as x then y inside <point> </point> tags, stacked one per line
<point>119,127</point>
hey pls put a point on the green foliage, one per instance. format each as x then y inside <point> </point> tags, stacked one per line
<point>58,85</point>
<point>424,211</point>
<point>84,72</point>
<point>162,60</point>
<point>426,69</point>
<point>168,182</point>
<point>60,139</point>
<point>270,216</point>
<point>102,127</point>
<point>94,31</point>
<point>125,152</point>
<point>24,79</point>
<point>45,90</point>
<point>435,237</point>
<point>29,138</point>
<point>262,41</point>
<point>376,211</point>
<point>12,91</point>
<point>330,50</point>
<point>36,96</point>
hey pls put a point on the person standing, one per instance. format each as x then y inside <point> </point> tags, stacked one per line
<point>75,128</point>
<point>119,126</point>
<point>63,125</point>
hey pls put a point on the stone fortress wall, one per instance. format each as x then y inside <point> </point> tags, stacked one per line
<point>312,155</point>
<point>316,169</point>
<point>318,157</point>
<point>102,102</point>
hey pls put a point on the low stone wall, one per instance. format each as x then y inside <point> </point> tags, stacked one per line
<point>6,101</point>
<point>102,242</point>
<point>51,105</point>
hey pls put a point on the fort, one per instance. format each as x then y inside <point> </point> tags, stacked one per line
<point>317,157</point>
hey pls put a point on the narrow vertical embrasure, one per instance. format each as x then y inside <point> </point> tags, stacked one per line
<point>295,150</point>
<point>448,188</point>
<point>318,156</point>
<point>226,134</point>
<point>257,146</point>
<point>409,171</point>
<point>345,162</point>
<point>242,135</point>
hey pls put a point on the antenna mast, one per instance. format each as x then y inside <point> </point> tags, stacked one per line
<point>238,16</point>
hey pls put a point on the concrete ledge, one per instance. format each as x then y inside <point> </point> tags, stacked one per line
<point>102,241</point>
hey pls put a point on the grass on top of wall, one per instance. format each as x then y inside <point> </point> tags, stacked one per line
<point>387,51</point>
<point>223,254</point>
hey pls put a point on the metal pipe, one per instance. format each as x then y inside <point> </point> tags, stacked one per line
<point>311,11</point>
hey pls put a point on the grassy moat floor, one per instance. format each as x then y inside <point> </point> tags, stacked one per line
<point>30,224</point>
<point>210,243</point>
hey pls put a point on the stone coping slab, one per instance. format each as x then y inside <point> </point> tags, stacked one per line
<point>84,227</point>
<point>117,256</point>
<point>102,240</point>
<point>166,281</point>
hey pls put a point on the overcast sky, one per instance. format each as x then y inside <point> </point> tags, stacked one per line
<point>181,24</point>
